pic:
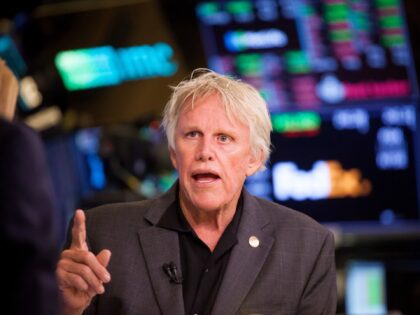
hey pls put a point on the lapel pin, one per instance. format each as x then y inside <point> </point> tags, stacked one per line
<point>254,241</point>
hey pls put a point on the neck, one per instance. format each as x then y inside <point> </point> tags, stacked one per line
<point>208,225</point>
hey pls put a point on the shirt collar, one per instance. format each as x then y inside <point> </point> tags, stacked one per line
<point>174,219</point>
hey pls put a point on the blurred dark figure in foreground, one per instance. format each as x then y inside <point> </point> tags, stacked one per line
<point>28,219</point>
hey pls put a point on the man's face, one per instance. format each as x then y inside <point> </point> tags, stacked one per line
<point>212,155</point>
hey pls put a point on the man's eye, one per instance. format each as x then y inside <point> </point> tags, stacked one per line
<point>224,138</point>
<point>192,134</point>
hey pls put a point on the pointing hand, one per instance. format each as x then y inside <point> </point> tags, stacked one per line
<point>80,273</point>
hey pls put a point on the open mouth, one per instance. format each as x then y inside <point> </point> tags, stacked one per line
<point>205,177</point>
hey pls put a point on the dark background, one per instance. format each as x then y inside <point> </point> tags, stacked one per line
<point>42,28</point>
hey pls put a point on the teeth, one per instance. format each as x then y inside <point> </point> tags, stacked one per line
<point>205,180</point>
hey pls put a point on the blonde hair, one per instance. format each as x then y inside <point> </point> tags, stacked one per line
<point>240,100</point>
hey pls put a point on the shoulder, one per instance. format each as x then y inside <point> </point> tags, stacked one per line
<point>296,234</point>
<point>116,225</point>
<point>118,212</point>
<point>143,213</point>
<point>290,221</point>
<point>23,163</point>
<point>11,132</point>
<point>17,138</point>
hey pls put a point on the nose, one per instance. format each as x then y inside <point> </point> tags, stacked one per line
<point>205,151</point>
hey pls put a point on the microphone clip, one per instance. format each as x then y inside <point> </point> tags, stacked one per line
<point>172,271</point>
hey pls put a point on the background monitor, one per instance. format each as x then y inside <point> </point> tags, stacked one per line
<point>365,289</point>
<point>339,80</point>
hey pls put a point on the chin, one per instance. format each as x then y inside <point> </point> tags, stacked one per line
<point>207,203</point>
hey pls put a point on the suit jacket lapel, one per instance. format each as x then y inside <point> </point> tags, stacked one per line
<point>245,261</point>
<point>161,246</point>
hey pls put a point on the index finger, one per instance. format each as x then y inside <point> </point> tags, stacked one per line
<point>78,231</point>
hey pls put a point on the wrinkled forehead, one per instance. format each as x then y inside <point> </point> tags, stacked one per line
<point>232,113</point>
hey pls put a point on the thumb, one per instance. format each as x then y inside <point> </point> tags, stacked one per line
<point>104,257</point>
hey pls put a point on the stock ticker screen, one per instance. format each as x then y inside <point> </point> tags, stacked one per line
<point>340,83</point>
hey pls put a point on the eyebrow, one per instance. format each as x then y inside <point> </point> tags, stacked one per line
<point>218,130</point>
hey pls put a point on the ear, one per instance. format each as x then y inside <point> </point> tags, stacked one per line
<point>254,163</point>
<point>172,155</point>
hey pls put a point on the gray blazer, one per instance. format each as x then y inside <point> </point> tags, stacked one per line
<point>292,271</point>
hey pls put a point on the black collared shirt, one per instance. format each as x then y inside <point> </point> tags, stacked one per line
<point>202,270</point>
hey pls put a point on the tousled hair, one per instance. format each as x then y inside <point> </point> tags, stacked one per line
<point>241,101</point>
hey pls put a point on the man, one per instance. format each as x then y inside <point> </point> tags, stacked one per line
<point>28,218</point>
<point>206,246</point>
<point>9,89</point>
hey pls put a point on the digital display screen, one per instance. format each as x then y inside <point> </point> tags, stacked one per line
<point>356,166</point>
<point>305,54</point>
<point>339,80</point>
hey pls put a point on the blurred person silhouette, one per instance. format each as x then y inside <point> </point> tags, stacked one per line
<point>206,246</point>
<point>28,219</point>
